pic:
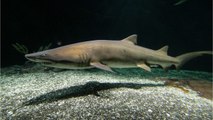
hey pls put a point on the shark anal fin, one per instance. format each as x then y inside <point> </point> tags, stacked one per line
<point>101,66</point>
<point>144,66</point>
<point>165,66</point>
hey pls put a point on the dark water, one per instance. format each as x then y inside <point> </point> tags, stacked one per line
<point>185,27</point>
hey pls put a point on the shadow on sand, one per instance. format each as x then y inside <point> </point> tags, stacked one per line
<point>82,90</point>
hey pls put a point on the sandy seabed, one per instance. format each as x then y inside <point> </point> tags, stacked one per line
<point>94,94</point>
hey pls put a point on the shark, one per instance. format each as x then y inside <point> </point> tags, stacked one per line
<point>108,54</point>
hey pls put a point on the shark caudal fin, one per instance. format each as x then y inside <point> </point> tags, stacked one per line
<point>188,56</point>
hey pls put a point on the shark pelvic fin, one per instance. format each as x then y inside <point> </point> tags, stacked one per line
<point>164,49</point>
<point>132,39</point>
<point>101,66</point>
<point>144,66</point>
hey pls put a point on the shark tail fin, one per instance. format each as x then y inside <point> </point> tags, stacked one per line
<point>188,56</point>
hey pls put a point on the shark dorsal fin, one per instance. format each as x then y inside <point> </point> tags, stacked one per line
<point>164,49</point>
<point>131,39</point>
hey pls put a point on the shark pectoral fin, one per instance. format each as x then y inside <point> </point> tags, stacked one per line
<point>144,66</point>
<point>101,66</point>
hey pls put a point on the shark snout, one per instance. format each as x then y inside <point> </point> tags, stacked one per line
<point>30,57</point>
<point>36,57</point>
<point>33,55</point>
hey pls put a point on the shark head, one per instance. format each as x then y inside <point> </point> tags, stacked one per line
<point>41,57</point>
<point>57,58</point>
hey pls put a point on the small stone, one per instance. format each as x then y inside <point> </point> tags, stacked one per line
<point>10,113</point>
<point>167,114</point>
<point>150,110</point>
<point>61,103</point>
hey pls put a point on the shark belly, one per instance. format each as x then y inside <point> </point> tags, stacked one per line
<point>68,66</point>
<point>120,64</point>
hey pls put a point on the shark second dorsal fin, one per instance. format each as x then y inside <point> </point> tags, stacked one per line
<point>164,49</point>
<point>131,39</point>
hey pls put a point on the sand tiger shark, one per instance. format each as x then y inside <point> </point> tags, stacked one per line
<point>107,54</point>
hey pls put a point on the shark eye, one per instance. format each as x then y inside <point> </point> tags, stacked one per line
<point>43,55</point>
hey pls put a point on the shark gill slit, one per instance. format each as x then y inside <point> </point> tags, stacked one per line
<point>84,58</point>
<point>81,58</point>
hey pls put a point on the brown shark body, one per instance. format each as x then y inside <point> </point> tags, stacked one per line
<point>107,54</point>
